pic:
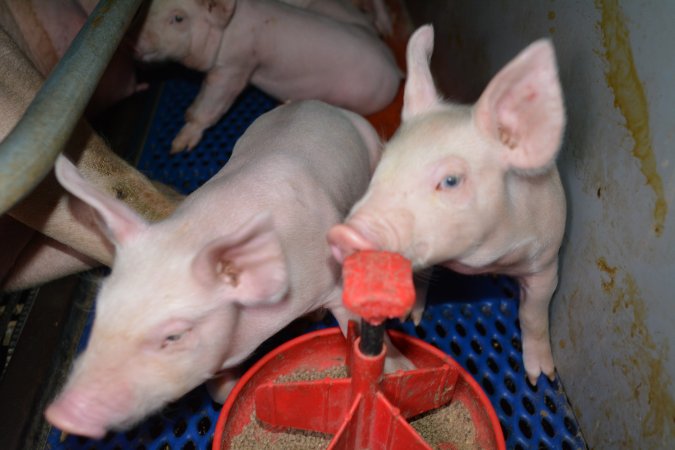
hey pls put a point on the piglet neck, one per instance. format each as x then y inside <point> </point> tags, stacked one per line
<point>204,49</point>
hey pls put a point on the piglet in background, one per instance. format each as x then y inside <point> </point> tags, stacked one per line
<point>194,295</point>
<point>474,188</point>
<point>323,52</point>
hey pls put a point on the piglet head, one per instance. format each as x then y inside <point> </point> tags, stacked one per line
<point>443,184</point>
<point>185,31</point>
<point>166,317</point>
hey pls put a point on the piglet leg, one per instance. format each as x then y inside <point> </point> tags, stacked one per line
<point>218,91</point>
<point>220,386</point>
<point>421,289</point>
<point>536,292</point>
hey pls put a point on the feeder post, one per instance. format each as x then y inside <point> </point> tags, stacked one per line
<point>372,338</point>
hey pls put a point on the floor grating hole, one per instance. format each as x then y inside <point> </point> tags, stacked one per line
<point>528,405</point>
<point>500,327</point>
<point>421,332</point>
<point>515,341</point>
<point>550,404</point>
<point>471,365</point>
<point>514,364</point>
<point>525,428</point>
<point>492,365</point>
<point>532,387</point>
<point>475,345</point>
<point>455,348</point>
<point>548,428</point>
<point>488,386</point>
<point>506,407</point>
<point>131,434</point>
<point>460,329</point>
<point>204,426</point>
<point>180,428</point>
<point>570,426</point>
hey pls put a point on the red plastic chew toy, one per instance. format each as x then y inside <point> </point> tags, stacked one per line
<point>378,285</point>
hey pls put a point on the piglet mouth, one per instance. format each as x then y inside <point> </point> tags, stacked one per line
<point>141,52</point>
<point>144,55</point>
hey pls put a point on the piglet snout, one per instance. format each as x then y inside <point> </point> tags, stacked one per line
<point>73,414</point>
<point>345,239</point>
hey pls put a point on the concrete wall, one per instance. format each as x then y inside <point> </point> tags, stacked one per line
<point>613,316</point>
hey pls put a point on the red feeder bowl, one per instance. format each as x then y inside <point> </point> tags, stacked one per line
<point>324,404</point>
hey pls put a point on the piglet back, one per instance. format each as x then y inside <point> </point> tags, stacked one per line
<point>329,142</point>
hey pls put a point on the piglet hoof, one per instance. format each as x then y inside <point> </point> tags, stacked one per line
<point>538,359</point>
<point>220,386</point>
<point>188,138</point>
<point>416,315</point>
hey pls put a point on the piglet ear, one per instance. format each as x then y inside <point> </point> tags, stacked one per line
<point>115,219</point>
<point>419,95</point>
<point>220,11</point>
<point>522,108</point>
<point>250,261</point>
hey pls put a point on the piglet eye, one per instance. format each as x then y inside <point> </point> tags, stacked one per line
<point>177,19</point>
<point>171,339</point>
<point>449,182</point>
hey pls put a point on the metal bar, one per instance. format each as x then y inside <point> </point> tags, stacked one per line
<point>28,152</point>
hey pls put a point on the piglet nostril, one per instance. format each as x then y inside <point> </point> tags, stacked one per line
<point>337,253</point>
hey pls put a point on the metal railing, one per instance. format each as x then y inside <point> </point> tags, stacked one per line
<point>28,152</point>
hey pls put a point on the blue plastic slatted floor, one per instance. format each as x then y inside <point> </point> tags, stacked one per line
<point>473,319</point>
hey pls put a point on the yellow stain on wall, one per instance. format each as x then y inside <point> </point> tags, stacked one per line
<point>611,274</point>
<point>630,99</point>
<point>642,359</point>
<point>551,17</point>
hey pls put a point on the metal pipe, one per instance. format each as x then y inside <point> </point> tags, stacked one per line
<point>28,152</point>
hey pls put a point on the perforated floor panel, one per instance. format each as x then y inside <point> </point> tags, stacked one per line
<point>473,319</point>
